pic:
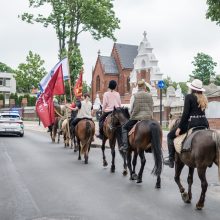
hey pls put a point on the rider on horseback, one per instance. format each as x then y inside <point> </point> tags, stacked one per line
<point>111,99</point>
<point>141,105</point>
<point>193,116</point>
<point>84,110</point>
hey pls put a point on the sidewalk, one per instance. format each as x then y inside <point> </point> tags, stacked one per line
<point>34,126</point>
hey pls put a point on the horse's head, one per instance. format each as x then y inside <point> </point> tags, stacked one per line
<point>120,115</point>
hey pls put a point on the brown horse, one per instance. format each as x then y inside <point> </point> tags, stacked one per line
<point>84,131</point>
<point>147,134</point>
<point>54,129</point>
<point>205,150</point>
<point>112,130</point>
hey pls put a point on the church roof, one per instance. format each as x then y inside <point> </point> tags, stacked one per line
<point>127,53</point>
<point>109,65</point>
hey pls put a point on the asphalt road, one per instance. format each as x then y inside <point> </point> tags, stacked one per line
<point>41,180</point>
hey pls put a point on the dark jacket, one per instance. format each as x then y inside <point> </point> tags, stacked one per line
<point>193,115</point>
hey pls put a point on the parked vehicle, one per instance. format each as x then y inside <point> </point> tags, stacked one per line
<point>11,123</point>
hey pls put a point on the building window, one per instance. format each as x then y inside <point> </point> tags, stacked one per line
<point>7,82</point>
<point>1,81</point>
<point>128,84</point>
<point>97,83</point>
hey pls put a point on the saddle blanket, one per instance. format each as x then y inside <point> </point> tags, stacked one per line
<point>178,141</point>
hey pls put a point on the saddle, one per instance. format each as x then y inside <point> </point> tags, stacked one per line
<point>182,143</point>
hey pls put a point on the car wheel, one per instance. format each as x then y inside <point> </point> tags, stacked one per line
<point>22,135</point>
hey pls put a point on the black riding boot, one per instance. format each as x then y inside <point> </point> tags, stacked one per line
<point>170,160</point>
<point>124,146</point>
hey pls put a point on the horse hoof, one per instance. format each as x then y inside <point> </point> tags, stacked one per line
<point>199,207</point>
<point>79,158</point>
<point>134,176</point>
<point>86,162</point>
<point>105,164</point>
<point>139,181</point>
<point>157,186</point>
<point>125,172</point>
<point>112,169</point>
<point>185,197</point>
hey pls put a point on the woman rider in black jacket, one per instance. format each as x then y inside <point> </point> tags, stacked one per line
<point>193,116</point>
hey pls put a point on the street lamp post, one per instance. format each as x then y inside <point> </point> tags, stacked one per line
<point>161,86</point>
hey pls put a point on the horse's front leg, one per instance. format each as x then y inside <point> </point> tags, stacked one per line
<point>123,154</point>
<point>143,161</point>
<point>105,164</point>
<point>178,169</point>
<point>112,146</point>
<point>204,185</point>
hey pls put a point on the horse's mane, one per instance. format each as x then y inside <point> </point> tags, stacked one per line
<point>126,112</point>
<point>123,110</point>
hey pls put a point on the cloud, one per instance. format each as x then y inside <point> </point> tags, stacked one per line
<point>177,30</point>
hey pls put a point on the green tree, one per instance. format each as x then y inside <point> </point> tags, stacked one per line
<point>168,82</point>
<point>29,74</point>
<point>217,80</point>
<point>70,18</point>
<point>86,87</point>
<point>204,67</point>
<point>213,12</point>
<point>75,63</point>
<point>5,68</point>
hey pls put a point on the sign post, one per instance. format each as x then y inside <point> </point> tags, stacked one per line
<point>161,85</point>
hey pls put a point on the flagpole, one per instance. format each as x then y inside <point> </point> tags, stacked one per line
<point>69,81</point>
<point>68,125</point>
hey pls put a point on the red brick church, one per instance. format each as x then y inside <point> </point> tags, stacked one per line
<point>118,67</point>
<point>125,65</point>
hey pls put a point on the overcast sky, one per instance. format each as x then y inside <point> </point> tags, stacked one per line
<point>176,29</point>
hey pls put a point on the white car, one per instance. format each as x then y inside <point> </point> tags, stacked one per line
<point>11,123</point>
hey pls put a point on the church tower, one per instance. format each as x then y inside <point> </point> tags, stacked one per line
<point>145,65</point>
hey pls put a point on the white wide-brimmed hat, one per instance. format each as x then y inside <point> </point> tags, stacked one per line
<point>196,84</point>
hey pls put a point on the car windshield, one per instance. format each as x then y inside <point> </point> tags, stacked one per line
<point>10,116</point>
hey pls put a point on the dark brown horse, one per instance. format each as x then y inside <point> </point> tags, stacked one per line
<point>205,150</point>
<point>54,129</point>
<point>84,131</point>
<point>147,134</point>
<point>112,130</point>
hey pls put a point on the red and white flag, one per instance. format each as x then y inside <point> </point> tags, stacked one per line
<point>44,104</point>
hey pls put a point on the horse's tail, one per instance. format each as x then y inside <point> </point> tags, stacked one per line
<point>216,138</point>
<point>156,148</point>
<point>88,135</point>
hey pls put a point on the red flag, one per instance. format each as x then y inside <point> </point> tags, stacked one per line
<point>44,104</point>
<point>59,85</point>
<point>78,86</point>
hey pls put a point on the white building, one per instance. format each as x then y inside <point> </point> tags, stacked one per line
<point>145,64</point>
<point>7,85</point>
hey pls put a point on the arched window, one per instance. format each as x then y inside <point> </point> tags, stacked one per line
<point>97,83</point>
<point>128,84</point>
